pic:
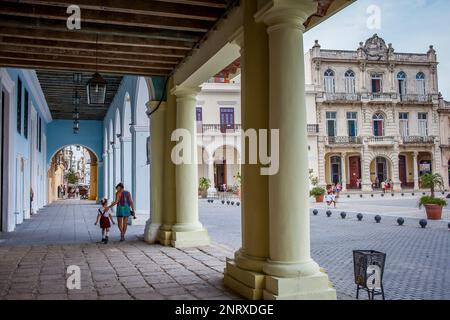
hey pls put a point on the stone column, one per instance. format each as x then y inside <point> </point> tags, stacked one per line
<point>291,272</point>
<point>396,170</point>
<point>244,274</point>
<point>93,188</point>
<point>344,171</point>
<point>366,183</point>
<point>157,128</point>
<point>111,190</point>
<point>126,159</point>
<point>169,187</point>
<point>105,175</point>
<point>116,163</point>
<point>140,172</point>
<point>416,170</point>
<point>188,231</point>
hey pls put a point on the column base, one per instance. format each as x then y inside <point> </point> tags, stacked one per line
<point>315,287</point>
<point>366,187</point>
<point>248,284</point>
<point>151,232</point>
<point>165,236</point>
<point>189,239</point>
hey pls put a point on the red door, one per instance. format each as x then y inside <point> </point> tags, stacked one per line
<point>402,170</point>
<point>355,170</point>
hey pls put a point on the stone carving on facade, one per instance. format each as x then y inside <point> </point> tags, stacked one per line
<point>376,49</point>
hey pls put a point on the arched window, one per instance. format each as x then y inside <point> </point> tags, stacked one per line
<point>420,83</point>
<point>350,82</point>
<point>401,78</point>
<point>329,81</point>
<point>378,125</point>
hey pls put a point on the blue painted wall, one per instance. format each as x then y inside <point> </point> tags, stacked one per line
<point>22,147</point>
<point>60,134</point>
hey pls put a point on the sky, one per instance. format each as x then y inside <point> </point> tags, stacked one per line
<point>410,25</point>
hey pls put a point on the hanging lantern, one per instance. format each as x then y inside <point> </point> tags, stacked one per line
<point>76,127</point>
<point>96,90</point>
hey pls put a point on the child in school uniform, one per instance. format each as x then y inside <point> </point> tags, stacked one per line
<point>104,217</point>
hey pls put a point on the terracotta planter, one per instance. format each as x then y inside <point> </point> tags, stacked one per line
<point>434,211</point>
<point>319,199</point>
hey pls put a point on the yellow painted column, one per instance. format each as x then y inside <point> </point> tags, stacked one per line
<point>169,186</point>
<point>244,274</point>
<point>157,130</point>
<point>290,271</point>
<point>93,192</point>
<point>188,231</point>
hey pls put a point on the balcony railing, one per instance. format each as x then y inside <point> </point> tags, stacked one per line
<point>313,128</point>
<point>380,140</point>
<point>218,128</point>
<point>381,96</point>
<point>342,97</point>
<point>417,98</point>
<point>343,140</point>
<point>418,140</point>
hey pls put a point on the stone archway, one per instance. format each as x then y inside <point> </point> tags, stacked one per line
<point>58,165</point>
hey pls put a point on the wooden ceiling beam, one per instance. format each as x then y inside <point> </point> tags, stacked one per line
<point>92,62</point>
<point>173,61</point>
<point>38,65</point>
<point>100,29</point>
<point>80,37</point>
<point>104,17</point>
<point>101,48</point>
<point>146,7</point>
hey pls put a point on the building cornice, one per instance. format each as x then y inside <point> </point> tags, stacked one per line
<point>33,82</point>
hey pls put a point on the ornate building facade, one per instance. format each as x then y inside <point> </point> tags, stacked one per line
<point>373,115</point>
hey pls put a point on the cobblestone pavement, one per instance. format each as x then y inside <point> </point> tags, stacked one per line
<point>418,260</point>
<point>34,261</point>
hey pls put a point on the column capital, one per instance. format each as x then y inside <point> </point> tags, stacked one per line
<point>152,105</point>
<point>124,139</point>
<point>137,128</point>
<point>277,13</point>
<point>185,92</point>
<point>415,154</point>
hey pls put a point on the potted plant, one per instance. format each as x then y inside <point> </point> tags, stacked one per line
<point>237,184</point>
<point>203,187</point>
<point>318,193</point>
<point>433,206</point>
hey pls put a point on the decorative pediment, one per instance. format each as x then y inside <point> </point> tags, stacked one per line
<point>376,48</point>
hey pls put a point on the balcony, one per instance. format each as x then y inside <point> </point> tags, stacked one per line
<point>380,96</point>
<point>341,97</point>
<point>218,128</point>
<point>380,141</point>
<point>343,141</point>
<point>416,98</point>
<point>313,129</point>
<point>418,140</point>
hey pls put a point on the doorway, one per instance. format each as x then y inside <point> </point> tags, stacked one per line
<point>221,175</point>
<point>381,166</point>
<point>355,171</point>
<point>402,171</point>
<point>335,169</point>
<point>2,143</point>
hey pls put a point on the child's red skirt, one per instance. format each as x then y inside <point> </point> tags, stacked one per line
<point>104,223</point>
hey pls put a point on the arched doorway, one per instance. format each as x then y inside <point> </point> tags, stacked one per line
<point>73,173</point>
<point>335,170</point>
<point>380,170</point>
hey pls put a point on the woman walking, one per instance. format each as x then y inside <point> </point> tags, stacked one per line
<point>125,208</point>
